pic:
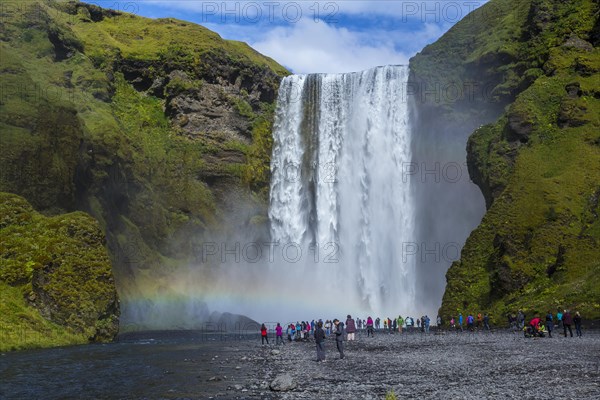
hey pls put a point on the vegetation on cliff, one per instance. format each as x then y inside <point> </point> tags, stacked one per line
<point>157,128</point>
<point>55,279</point>
<point>538,165</point>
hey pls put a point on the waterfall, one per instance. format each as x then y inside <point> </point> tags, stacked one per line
<point>338,192</point>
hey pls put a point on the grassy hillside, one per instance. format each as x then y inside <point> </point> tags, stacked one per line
<point>157,128</point>
<point>538,165</point>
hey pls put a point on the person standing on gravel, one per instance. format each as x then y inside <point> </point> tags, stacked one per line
<point>549,323</point>
<point>350,328</point>
<point>486,322</point>
<point>567,322</point>
<point>400,323</point>
<point>460,322</point>
<point>263,334</point>
<point>278,334</point>
<point>577,320</point>
<point>559,318</point>
<point>339,336</point>
<point>377,324</point>
<point>369,326</point>
<point>470,321</point>
<point>320,340</point>
<point>521,319</point>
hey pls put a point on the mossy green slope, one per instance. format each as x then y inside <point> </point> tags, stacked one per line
<point>55,279</point>
<point>114,114</point>
<point>538,246</point>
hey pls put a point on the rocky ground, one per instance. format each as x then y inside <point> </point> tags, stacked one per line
<point>500,365</point>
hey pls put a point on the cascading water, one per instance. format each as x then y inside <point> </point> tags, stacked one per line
<point>341,142</point>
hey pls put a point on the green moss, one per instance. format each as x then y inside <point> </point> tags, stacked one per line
<point>55,278</point>
<point>22,327</point>
<point>538,165</point>
<point>78,133</point>
<point>257,172</point>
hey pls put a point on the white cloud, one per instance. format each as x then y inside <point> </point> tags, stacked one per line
<point>317,47</point>
<point>309,46</point>
<point>355,39</point>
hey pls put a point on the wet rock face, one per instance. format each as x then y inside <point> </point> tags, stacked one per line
<point>207,109</point>
<point>520,126</point>
<point>214,97</point>
<point>576,42</point>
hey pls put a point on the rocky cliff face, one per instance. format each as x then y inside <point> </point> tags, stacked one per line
<point>159,129</point>
<point>538,162</point>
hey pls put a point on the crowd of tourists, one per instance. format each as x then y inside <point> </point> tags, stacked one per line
<point>540,327</point>
<point>319,330</point>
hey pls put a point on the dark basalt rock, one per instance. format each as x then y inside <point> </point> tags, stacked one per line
<point>576,42</point>
<point>520,127</point>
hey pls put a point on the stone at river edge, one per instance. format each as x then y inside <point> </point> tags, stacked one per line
<point>283,383</point>
<point>55,278</point>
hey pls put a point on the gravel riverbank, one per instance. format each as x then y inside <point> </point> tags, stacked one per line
<point>462,366</point>
<point>192,365</point>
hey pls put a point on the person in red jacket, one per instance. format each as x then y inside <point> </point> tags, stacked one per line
<point>263,334</point>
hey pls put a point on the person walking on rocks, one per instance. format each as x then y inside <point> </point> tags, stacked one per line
<point>567,322</point>
<point>577,320</point>
<point>460,322</point>
<point>320,340</point>
<point>339,336</point>
<point>377,323</point>
<point>394,325</point>
<point>350,328</point>
<point>400,323</point>
<point>263,334</point>
<point>549,323</point>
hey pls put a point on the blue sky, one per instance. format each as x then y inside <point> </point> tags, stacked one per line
<point>318,36</point>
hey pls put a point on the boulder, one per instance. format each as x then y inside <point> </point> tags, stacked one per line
<point>283,383</point>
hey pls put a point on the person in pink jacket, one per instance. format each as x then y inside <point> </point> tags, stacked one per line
<point>278,334</point>
<point>370,327</point>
